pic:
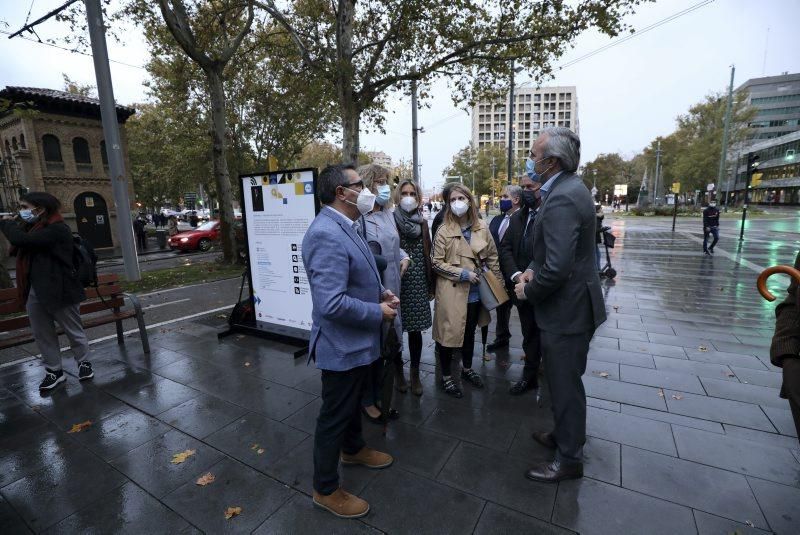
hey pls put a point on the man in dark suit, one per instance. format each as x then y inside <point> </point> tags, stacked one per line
<point>349,306</point>
<point>510,199</point>
<point>562,283</point>
<point>515,252</point>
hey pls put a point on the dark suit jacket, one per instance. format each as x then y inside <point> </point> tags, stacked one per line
<point>565,290</point>
<point>516,250</point>
<point>494,228</point>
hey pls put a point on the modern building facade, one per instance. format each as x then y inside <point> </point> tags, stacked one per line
<point>777,99</point>
<point>533,109</point>
<point>53,141</point>
<point>776,181</point>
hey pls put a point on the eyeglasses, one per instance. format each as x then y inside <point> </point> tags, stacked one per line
<point>355,185</point>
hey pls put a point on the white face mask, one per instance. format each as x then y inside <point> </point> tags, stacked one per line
<point>409,204</point>
<point>365,202</point>
<point>459,207</point>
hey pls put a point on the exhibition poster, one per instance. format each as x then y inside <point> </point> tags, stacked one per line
<point>278,208</point>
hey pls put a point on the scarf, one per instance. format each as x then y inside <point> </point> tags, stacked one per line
<point>408,225</point>
<point>24,258</point>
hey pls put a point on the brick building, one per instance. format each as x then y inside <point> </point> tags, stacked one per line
<point>53,141</point>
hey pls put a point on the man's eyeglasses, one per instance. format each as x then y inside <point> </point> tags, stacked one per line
<point>358,186</point>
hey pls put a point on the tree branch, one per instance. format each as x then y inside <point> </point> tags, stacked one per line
<point>269,7</point>
<point>178,23</point>
<point>231,50</point>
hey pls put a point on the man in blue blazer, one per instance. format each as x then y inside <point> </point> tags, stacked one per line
<point>349,305</point>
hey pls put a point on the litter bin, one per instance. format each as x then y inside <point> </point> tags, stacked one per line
<point>161,237</point>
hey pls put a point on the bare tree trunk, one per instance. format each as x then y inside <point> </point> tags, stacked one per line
<point>351,119</point>
<point>345,81</point>
<point>217,94</point>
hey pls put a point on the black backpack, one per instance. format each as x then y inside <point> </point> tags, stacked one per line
<point>84,261</point>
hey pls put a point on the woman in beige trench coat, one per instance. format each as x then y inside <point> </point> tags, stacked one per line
<point>462,247</point>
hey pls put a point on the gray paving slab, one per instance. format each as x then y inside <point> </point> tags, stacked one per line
<point>622,392</point>
<point>611,332</point>
<point>631,430</point>
<point>758,395</point>
<point>691,484</point>
<point>761,437</point>
<point>700,369</point>
<point>717,409</point>
<point>650,348</point>
<point>781,419</point>
<point>621,357</point>
<point>779,504</point>
<point>771,378</point>
<point>714,525</point>
<point>729,359</point>
<point>497,519</point>
<point>605,342</point>
<point>201,415</point>
<point>684,382</point>
<point>677,419</point>
<point>766,462</point>
<point>594,508</point>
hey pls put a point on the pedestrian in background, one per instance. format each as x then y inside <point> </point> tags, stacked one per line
<point>48,283</point>
<point>140,233</point>
<point>417,285</point>
<point>785,349</point>
<point>564,287</point>
<point>383,238</point>
<point>516,253</point>
<point>710,227</point>
<point>349,307</point>
<point>463,248</point>
<point>510,202</point>
<point>172,225</point>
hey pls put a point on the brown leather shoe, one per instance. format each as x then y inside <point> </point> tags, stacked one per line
<point>369,458</point>
<point>342,504</point>
<point>555,471</point>
<point>416,384</point>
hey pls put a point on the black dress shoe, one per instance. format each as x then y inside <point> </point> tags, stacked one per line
<point>520,387</point>
<point>555,471</point>
<point>545,439</point>
<point>497,344</point>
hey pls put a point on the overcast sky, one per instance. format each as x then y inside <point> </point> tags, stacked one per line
<point>627,95</point>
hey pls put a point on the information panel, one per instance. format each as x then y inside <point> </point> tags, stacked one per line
<point>278,208</point>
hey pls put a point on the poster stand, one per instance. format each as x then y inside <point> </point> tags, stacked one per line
<point>246,323</point>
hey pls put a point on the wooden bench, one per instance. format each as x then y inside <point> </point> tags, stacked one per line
<point>15,330</point>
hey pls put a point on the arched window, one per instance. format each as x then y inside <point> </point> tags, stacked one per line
<point>52,148</point>
<point>80,149</point>
<point>14,143</point>
<point>22,141</point>
<point>103,153</point>
<point>8,148</point>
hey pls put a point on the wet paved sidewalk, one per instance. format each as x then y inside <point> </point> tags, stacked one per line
<point>687,433</point>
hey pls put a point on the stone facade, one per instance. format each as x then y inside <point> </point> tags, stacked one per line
<point>79,180</point>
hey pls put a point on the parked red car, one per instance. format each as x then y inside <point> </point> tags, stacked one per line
<point>200,239</point>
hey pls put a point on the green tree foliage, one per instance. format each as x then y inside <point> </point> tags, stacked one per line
<point>486,166</point>
<point>608,170</point>
<point>166,159</point>
<point>77,88</point>
<point>369,49</point>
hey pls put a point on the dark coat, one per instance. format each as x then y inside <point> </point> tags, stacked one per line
<point>516,249</point>
<point>786,340</point>
<point>52,275</point>
<point>494,228</point>
<point>565,290</point>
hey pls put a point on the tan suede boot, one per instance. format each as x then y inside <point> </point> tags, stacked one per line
<point>416,384</point>
<point>400,383</point>
<point>369,458</point>
<point>342,504</point>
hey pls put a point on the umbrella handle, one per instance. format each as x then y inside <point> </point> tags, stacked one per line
<point>761,282</point>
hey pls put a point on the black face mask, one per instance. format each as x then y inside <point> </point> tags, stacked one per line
<point>529,198</point>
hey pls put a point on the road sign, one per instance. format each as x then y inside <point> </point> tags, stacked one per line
<point>620,189</point>
<point>710,187</point>
<point>676,187</point>
<point>594,191</point>
<point>191,196</point>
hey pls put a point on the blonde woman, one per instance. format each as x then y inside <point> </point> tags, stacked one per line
<point>462,248</point>
<point>382,237</point>
<point>417,285</point>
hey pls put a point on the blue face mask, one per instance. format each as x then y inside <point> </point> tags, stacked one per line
<point>530,170</point>
<point>505,205</point>
<point>28,216</point>
<point>383,194</point>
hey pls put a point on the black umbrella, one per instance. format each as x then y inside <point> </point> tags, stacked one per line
<point>389,350</point>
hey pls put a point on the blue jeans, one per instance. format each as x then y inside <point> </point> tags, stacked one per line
<point>715,232</point>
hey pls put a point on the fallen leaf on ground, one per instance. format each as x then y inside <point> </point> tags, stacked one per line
<point>77,428</point>
<point>616,307</point>
<point>677,396</point>
<point>661,393</point>
<point>749,523</point>
<point>260,451</point>
<point>222,316</point>
<point>254,447</point>
<point>730,374</point>
<point>247,364</point>
<point>178,458</point>
<point>231,512</point>
<point>703,348</point>
<point>206,479</point>
<point>601,374</point>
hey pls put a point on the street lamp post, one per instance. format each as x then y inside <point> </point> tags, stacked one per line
<point>752,165</point>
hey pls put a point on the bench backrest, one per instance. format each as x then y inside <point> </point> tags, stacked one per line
<point>107,286</point>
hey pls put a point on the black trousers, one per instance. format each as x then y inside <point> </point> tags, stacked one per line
<point>467,347</point>
<point>503,315</point>
<point>141,241</point>
<point>338,425</point>
<point>531,340</point>
<point>791,388</point>
<point>565,362</point>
